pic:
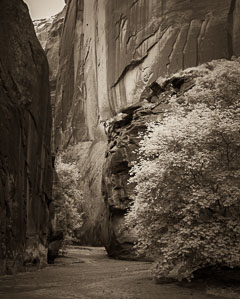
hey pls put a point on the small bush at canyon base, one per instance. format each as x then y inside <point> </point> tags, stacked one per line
<point>186,206</point>
<point>69,215</point>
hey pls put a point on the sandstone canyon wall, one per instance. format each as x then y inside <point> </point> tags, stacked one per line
<point>49,33</point>
<point>111,53</point>
<point>25,130</point>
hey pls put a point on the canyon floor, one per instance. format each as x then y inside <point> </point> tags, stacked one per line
<point>87,272</point>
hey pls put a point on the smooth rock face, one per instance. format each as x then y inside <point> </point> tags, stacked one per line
<point>77,126</point>
<point>147,39</point>
<point>25,129</point>
<point>110,51</point>
<point>49,33</point>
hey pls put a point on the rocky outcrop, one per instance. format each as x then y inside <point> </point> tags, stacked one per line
<point>110,51</point>
<point>25,129</point>
<point>124,134</point>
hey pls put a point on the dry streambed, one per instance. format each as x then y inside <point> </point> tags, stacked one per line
<point>88,273</point>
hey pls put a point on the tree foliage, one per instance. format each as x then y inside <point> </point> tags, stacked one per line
<point>186,206</point>
<point>67,190</point>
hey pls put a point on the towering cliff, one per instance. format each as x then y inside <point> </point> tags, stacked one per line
<point>111,53</point>
<point>25,129</point>
<point>49,33</point>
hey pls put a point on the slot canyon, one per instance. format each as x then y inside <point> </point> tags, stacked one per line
<point>77,92</point>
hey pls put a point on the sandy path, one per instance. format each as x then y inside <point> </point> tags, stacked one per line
<point>89,273</point>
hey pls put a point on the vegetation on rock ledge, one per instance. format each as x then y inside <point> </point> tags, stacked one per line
<point>187,197</point>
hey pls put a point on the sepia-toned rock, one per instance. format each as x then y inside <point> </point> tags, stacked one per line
<point>111,53</point>
<point>25,130</point>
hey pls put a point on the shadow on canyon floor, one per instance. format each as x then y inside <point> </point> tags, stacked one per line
<point>87,272</point>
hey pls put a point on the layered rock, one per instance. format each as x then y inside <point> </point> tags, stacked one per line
<point>124,133</point>
<point>110,51</point>
<point>25,130</point>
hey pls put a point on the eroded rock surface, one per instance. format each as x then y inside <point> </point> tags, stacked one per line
<point>111,53</point>
<point>124,134</point>
<point>25,129</point>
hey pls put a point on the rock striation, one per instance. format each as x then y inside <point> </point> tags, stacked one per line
<point>110,55</point>
<point>148,39</point>
<point>25,130</point>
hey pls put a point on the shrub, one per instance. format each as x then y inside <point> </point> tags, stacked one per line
<point>69,215</point>
<point>186,206</point>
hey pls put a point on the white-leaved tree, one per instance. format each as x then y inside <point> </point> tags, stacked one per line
<point>186,207</point>
<point>67,190</point>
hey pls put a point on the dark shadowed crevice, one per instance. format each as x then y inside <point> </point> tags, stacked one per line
<point>230,28</point>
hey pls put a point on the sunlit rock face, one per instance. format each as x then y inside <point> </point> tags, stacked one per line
<point>110,51</point>
<point>49,32</point>
<point>42,29</point>
<point>77,125</point>
<point>148,39</point>
<point>25,129</point>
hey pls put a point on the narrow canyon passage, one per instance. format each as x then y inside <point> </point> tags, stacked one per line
<point>119,124</point>
<point>88,273</point>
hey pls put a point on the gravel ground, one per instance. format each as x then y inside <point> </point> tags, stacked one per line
<point>87,272</point>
